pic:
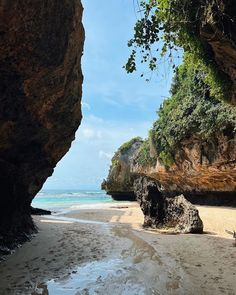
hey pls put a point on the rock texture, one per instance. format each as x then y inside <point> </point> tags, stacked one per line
<point>201,169</point>
<point>205,172</point>
<point>217,29</point>
<point>119,183</point>
<point>160,211</point>
<point>41,44</point>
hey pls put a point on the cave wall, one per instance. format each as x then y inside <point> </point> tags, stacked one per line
<point>41,44</point>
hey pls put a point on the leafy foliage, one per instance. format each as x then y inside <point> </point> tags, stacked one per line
<point>165,26</point>
<point>144,157</point>
<point>190,112</point>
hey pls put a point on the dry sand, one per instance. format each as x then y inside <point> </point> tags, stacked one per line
<point>116,256</point>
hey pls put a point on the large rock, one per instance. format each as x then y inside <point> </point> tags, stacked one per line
<point>161,211</point>
<point>41,46</point>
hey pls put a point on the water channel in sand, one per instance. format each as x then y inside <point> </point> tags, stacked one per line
<point>123,273</point>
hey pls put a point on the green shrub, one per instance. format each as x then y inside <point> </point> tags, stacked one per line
<point>167,25</point>
<point>190,112</point>
<point>144,156</point>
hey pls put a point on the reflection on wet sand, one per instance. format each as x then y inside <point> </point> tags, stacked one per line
<point>107,252</point>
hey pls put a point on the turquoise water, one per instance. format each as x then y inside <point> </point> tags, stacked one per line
<point>70,199</point>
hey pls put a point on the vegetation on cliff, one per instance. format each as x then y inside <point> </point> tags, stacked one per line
<point>166,25</point>
<point>193,109</point>
<point>190,112</point>
<point>144,156</point>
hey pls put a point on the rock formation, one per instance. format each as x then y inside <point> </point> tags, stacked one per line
<point>204,172</point>
<point>218,31</point>
<point>41,44</point>
<point>160,211</point>
<point>119,183</point>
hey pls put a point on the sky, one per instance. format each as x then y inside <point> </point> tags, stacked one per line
<point>116,106</point>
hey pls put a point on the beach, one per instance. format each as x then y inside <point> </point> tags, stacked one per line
<point>105,250</point>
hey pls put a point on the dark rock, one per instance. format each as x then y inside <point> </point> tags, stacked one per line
<point>41,46</point>
<point>161,211</point>
<point>38,211</point>
<point>122,196</point>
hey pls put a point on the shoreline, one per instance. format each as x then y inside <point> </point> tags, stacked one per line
<point>114,251</point>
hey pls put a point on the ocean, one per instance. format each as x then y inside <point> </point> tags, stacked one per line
<point>60,200</point>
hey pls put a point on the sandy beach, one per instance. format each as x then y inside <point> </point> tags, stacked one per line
<point>106,251</point>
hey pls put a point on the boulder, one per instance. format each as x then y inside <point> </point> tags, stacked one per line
<point>163,212</point>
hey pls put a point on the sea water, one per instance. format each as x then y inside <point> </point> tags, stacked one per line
<point>71,199</point>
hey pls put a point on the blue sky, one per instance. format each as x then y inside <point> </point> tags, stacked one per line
<point>116,106</point>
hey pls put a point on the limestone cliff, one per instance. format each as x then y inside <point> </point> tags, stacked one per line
<point>205,172</point>
<point>119,183</point>
<point>41,44</point>
<point>191,149</point>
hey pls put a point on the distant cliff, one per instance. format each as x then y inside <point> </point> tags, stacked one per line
<point>119,183</point>
<point>41,46</point>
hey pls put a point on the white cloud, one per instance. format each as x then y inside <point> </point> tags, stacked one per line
<point>89,133</point>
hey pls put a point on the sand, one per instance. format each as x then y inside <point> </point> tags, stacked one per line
<point>106,251</point>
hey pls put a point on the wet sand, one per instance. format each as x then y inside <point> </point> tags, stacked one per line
<point>106,251</point>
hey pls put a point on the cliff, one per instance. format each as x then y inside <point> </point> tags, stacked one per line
<point>191,150</point>
<point>41,46</point>
<point>204,172</point>
<point>119,183</point>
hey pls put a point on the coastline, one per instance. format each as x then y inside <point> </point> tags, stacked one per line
<point>96,250</point>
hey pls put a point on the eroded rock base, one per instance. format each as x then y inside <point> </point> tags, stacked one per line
<point>161,211</point>
<point>15,228</point>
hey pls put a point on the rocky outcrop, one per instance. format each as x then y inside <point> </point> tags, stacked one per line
<point>205,172</point>
<point>119,183</point>
<point>160,211</point>
<point>38,211</point>
<point>41,46</point>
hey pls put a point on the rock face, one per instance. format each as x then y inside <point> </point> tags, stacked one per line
<point>218,31</point>
<point>41,44</point>
<point>205,172</point>
<point>119,183</point>
<point>160,211</point>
